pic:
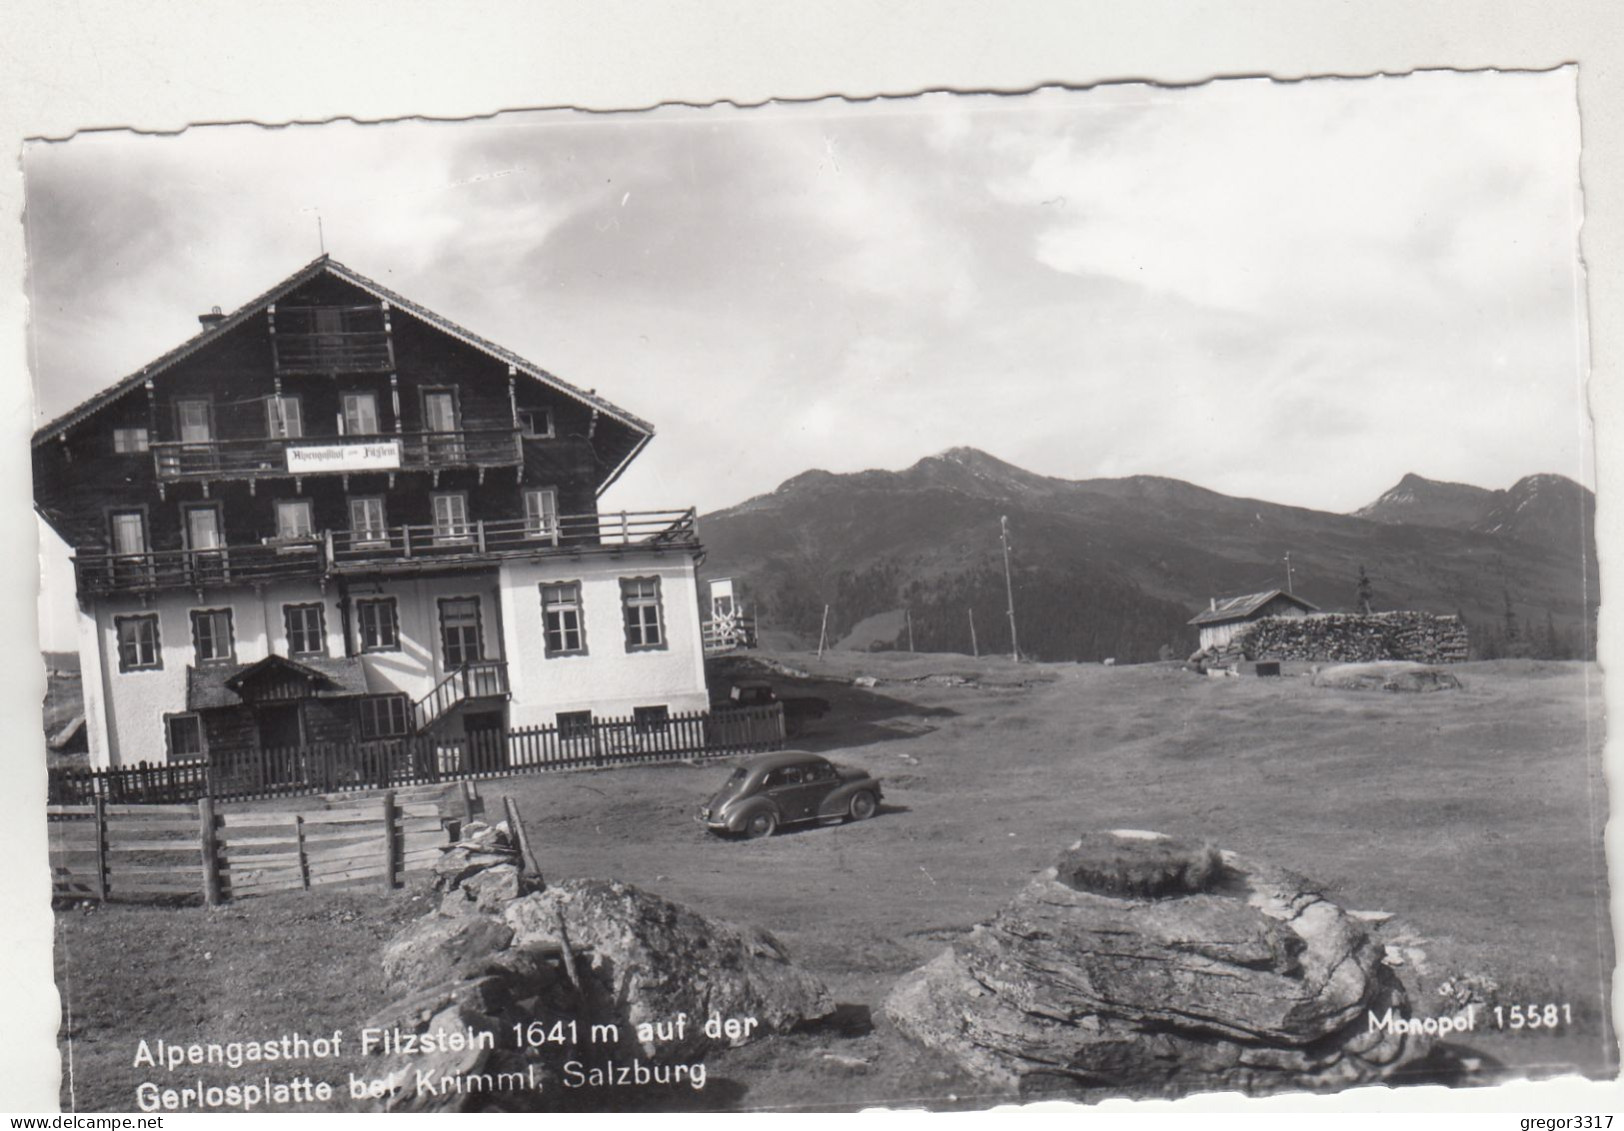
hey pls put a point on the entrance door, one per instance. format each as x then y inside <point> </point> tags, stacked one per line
<point>487,748</point>
<point>281,733</point>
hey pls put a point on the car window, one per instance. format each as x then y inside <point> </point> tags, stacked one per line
<point>788,775</point>
<point>821,771</point>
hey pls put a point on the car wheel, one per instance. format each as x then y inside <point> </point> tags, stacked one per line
<point>862,806</point>
<point>760,825</point>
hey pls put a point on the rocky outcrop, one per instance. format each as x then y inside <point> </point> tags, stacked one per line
<point>1240,976</point>
<point>579,967</point>
<point>642,959</point>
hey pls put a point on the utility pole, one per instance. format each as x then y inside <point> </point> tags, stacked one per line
<point>975,649</point>
<point>1288,572</point>
<point>823,632</point>
<point>1009,588</point>
<point>907,616</point>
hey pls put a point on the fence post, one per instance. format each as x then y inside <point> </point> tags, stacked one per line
<point>391,840</point>
<point>101,848</point>
<point>304,861</point>
<point>211,851</point>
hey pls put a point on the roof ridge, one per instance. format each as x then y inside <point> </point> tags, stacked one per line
<point>324,262</point>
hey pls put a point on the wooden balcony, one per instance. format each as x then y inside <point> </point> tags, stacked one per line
<point>404,451</point>
<point>355,351</point>
<point>407,548</point>
<point>396,549</point>
<point>100,574</point>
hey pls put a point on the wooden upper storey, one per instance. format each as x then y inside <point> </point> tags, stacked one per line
<point>327,387</point>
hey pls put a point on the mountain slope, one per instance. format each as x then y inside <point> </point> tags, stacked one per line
<point>1115,566</point>
<point>1418,501</point>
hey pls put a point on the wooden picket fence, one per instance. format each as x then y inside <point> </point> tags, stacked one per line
<point>149,853</point>
<point>428,759</point>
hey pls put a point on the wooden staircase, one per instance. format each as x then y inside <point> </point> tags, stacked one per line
<point>486,679</point>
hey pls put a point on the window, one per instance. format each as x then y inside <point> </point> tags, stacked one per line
<point>128,441</point>
<point>367,523</point>
<point>284,417</point>
<point>129,530</point>
<point>561,619</point>
<point>138,643</point>
<point>185,737</point>
<point>650,720</point>
<point>444,443</point>
<point>307,635</point>
<point>459,631</point>
<point>789,775</point>
<point>293,520</point>
<point>440,411</point>
<point>360,414</point>
<point>640,599</point>
<point>450,517</point>
<point>194,421</point>
<point>385,716</point>
<point>541,512</point>
<point>536,423</point>
<point>380,627</point>
<point>574,725</point>
<point>202,527</point>
<point>211,636</point>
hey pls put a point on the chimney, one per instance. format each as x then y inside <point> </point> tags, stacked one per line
<point>1212,604</point>
<point>212,319</point>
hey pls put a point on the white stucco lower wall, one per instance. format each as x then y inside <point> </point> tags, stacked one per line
<point>609,679</point>
<point>134,703</point>
<point>124,711</point>
<point>419,663</point>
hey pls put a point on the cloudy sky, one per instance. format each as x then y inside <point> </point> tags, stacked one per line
<point>1295,291</point>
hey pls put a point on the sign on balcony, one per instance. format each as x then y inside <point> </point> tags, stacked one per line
<point>344,457</point>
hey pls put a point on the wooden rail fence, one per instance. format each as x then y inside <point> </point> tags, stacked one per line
<point>428,759</point>
<point>146,853</point>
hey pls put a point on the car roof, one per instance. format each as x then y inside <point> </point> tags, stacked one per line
<point>742,683</point>
<point>783,758</point>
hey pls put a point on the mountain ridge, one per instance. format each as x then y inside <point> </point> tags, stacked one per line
<point>1126,561</point>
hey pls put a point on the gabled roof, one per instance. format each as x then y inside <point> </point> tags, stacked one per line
<point>220,685</point>
<point>327,265</point>
<point>1239,608</point>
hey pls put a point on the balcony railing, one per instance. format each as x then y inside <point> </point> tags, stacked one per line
<point>391,549</point>
<point>98,574</point>
<point>367,549</point>
<point>352,351</point>
<point>268,456</point>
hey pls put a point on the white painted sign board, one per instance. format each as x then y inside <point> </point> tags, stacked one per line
<point>345,457</point>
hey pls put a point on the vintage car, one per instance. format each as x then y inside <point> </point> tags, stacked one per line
<point>786,787</point>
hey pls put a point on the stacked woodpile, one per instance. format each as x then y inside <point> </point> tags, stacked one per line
<point>1349,638</point>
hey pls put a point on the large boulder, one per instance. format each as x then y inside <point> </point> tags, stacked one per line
<point>1159,967</point>
<point>436,949</point>
<point>641,959</point>
<point>1387,675</point>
